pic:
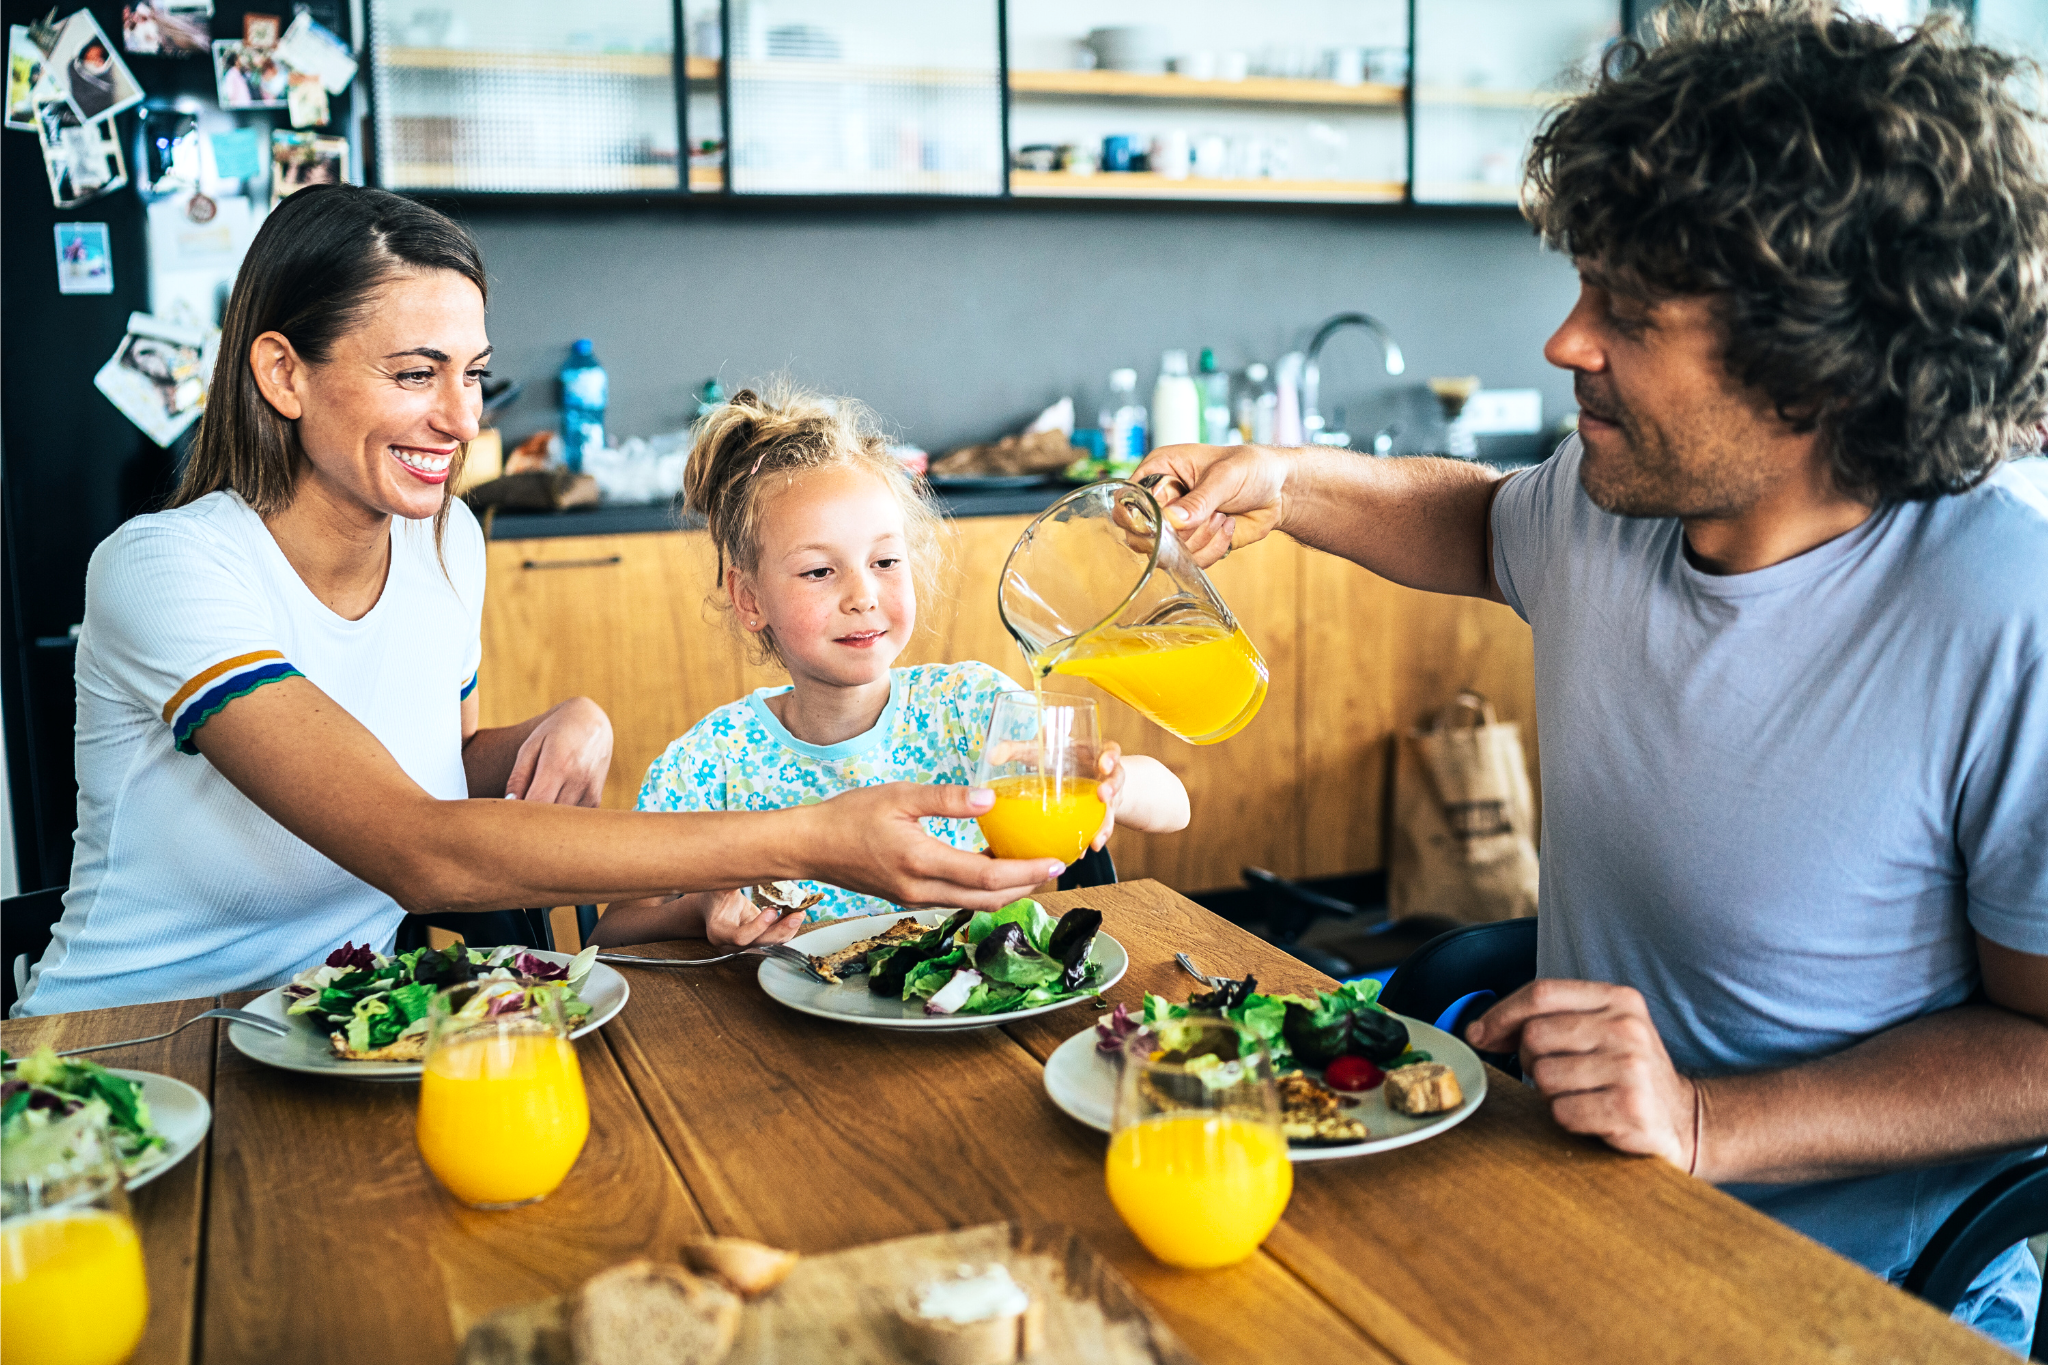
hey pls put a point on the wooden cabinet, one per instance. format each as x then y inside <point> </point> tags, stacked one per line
<point>1302,790</point>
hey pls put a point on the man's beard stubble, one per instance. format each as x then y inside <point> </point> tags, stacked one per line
<point>1641,471</point>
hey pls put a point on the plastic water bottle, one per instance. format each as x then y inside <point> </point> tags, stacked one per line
<point>1125,421</point>
<point>1176,406</point>
<point>1215,388</point>
<point>585,387</point>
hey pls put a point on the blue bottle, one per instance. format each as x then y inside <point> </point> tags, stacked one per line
<point>585,387</point>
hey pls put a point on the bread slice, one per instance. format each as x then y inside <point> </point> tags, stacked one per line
<point>646,1313</point>
<point>748,1269</point>
<point>1424,1088</point>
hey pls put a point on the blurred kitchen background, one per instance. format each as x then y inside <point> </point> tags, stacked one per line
<point>968,214</point>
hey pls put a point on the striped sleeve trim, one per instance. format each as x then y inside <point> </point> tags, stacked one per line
<point>239,684</point>
<point>469,686</point>
<point>200,680</point>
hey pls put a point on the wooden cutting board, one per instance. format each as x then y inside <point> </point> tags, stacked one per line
<point>841,1307</point>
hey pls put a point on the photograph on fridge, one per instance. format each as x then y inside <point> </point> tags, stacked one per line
<point>311,48</point>
<point>247,77</point>
<point>82,160</point>
<point>25,63</point>
<point>301,159</point>
<point>167,28</point>
<point>157,377</point>
<point>90,74</point>
<point>260,30</point>
<point>85,260</point>
<point>307,99</point>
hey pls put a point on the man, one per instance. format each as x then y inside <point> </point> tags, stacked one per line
<point>1791,621</point>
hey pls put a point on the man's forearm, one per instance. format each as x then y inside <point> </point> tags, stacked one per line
<point>1964,1083</point>
<point>1419,522</point>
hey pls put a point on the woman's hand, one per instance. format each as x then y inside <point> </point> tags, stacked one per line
<point>566,757</point>
<point>872,840</point>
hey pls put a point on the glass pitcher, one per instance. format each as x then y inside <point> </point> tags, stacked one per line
<point>1098,588</point>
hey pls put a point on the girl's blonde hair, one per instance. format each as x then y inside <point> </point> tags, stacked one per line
<point>754,445</point>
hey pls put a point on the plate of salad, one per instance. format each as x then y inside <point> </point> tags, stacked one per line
<point>937,971</point>
<point>1341,1063</point>
<point>363,1015</point>
<point>156,1121</point>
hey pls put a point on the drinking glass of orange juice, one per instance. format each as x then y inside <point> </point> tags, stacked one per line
<point>1198,1166</point>
<point>502,1111</point>
<point>72,1290</point>
<point>1098,588</point>
<point>1040,760</point>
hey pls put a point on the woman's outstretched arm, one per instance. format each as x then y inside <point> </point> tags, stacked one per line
<point>316,770</point>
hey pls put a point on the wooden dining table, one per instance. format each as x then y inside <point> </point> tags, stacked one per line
<point>306,1228</point>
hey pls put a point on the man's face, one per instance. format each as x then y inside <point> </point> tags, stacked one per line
<point>1667,432</point>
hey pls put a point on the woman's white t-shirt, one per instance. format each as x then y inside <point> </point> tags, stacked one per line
<point>181,886</point>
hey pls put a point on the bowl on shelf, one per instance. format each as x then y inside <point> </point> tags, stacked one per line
<point>1130,47</point>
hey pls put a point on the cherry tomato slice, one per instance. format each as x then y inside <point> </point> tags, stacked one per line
<point>1352,1073</point>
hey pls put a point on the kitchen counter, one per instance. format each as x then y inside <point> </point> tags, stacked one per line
<point>612,519</point>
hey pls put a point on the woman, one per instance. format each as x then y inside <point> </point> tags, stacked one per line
<point>277,677</point>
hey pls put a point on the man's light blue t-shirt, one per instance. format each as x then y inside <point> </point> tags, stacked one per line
<point>1782,804</point>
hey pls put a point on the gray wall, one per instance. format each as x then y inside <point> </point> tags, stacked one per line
<point>958,324</point>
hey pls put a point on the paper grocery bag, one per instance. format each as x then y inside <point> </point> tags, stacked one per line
<point>1464,820</point>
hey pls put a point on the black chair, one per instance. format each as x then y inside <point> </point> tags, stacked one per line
<point>1289,909</point>
<point>25,924</point>
<point>496,928</point>
<point>1093,868</point>
<point>1451,979</point>
<point>2009,1208</point>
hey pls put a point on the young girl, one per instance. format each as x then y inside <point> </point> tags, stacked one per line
<point>823,541</point>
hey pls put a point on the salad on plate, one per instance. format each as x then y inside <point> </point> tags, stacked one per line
<point>977,962</point>
<point>43,1087</point>
<point>374,1008</point>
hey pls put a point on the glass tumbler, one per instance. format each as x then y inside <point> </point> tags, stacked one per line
<point>1040,759</point>
<point>1198,1166</point>
<point>72,1287</point>
<point>502,1113</point>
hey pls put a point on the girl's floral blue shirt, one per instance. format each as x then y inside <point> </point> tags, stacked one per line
<point>740,757</point>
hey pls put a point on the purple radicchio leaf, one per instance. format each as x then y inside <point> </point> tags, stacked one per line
<point>348,955</point>
<point>534,968</point>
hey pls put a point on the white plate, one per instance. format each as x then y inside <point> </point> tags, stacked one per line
<point>306,1049</point>
<point>852,1002</point>
<point>1082,1082</point>
<point>177,1111</point>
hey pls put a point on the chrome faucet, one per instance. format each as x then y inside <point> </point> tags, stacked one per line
<point>1312,422</point>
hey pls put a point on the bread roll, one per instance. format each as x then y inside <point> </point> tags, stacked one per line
<point>746,1268</point>
<point>645,1313</point>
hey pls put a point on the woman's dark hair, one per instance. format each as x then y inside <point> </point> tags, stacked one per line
<point>311,275</point>
<point>1871,209</point>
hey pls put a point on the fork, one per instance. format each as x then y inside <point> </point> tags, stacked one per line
<point>781,952</point>
<point>1187,964</point>
<point>255,1021</point>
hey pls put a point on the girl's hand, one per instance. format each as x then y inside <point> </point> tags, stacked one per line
<point>1110,765</point>
<point>733,921</point>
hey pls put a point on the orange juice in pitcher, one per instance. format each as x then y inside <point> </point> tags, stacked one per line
<point>1097,588</point>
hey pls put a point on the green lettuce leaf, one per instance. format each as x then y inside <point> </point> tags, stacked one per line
<point>1031,917</point>
<point>411,1001</point>
<point>926,977</point>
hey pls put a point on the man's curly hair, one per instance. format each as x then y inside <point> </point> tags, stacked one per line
<point>1872,211</point>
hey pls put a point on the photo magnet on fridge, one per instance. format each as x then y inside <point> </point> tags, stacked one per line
<point>82,160</point>
<point>91,75</point>
<point>310,47</point>
<point>167,28</point>
<point>308,100</point>
<point>246,77</point>
<point>85,260</point>
<point>157,377</point>
<point>261,30</point>
<point>301,159</point>
<point>25,63</point>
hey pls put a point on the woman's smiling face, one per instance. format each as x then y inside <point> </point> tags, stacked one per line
<point>381,419</point>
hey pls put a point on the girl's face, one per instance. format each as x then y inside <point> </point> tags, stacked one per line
<point>833,579</point>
